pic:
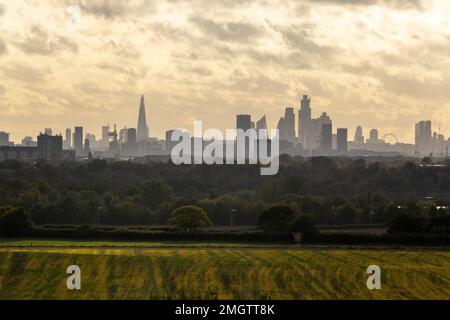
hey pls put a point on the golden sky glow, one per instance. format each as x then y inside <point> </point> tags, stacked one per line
<point>379,64</point>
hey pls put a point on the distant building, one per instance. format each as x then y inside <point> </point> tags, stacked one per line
<point>93,143</point>
<point>261,125</point>
<point>423,138</point>
<point>132,136</point>
<point>289,122</point>
<point>68,141</point>
<point>326,136</point>
<point>244,122</point>
<point>78,141</point>
<point>48,131</point>
<point>129,148</point>
<point>114,146</point>
<point>4,139</point>
<point>282,129</point>
<point>373,137</point>
<point>304,122</point>
<point>342,141</point>
<point>26,154</point>
<point>150,147</point>
<point>69,155</point>
<point>28,142</point>
<point>50,147</point>
<point>87,147</point>
<point>104,143</point>
<point>316,130</point>
<point>169,144</point>
<point>359,137</point>
<point>123,135</point>
<point>142,128</point>
<point>286,126</point>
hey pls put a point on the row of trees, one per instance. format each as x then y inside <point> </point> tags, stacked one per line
<point>278,218</point>
<point>122,193</point>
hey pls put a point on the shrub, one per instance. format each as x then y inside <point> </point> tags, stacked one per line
<point>346,214</point>
<point>440,222</point>
<point>277,218</point>
<point>306,226</point>
<point>15,222</point>
<point>189,218</point>
<point>407,222</point>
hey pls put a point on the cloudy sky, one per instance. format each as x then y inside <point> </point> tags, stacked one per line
<point>381,64</point>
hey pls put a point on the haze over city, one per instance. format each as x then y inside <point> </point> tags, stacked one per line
<point>378,64</point>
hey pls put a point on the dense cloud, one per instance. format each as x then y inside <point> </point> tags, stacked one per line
<point>229,31</point>
<point>39,41</point>
<point>380,63</point>
<point>3,48</point>
<point>113,9</point>
<point>398,4</point>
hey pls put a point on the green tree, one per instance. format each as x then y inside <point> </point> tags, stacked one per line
<point>408,222</point>
<point>346,214</point>
<point>220,208</point>
<point>189,218</point>
<point>15,222</point>
<point>304,224</point>
<point>277,218</point>
<point>154,192</point>
<point>440,221</point>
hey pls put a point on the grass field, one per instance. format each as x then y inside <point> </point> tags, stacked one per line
<point>213,273</point>
<point>120,244</point>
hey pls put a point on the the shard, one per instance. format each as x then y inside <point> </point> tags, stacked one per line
<point>142,128</point>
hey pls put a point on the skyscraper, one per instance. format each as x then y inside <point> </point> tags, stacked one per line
<point>423,137</point>
<point>87,147</point>
<point>359,138</point>
<point>105,138</point>
<point>261,125</point>
<point>50,147</point>
<point>316,130</point>
<point>68,141</point>
<point>304,122</point>
<point>282,129</point>
<point>130,146</point>
<point>142,128</point>
<point>93,143</point>
<point>123,135</point>
<point>4,139</point>
<point>342,140</point>
<point>244,122</point>
<point>78,141</point>
<point>373,136</point>
<point>289,123</point>
<point>169,143</point>
<point>28,142</point>
<point>326,136</point>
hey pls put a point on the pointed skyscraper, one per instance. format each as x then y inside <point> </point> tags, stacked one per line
<point>142,128</point>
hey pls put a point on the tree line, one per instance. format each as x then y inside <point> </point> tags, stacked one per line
<point>332,191</point>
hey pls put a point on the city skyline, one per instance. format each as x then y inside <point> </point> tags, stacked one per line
<point>292,127</point>
<point>298,132</point>
<point>367,65</point>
